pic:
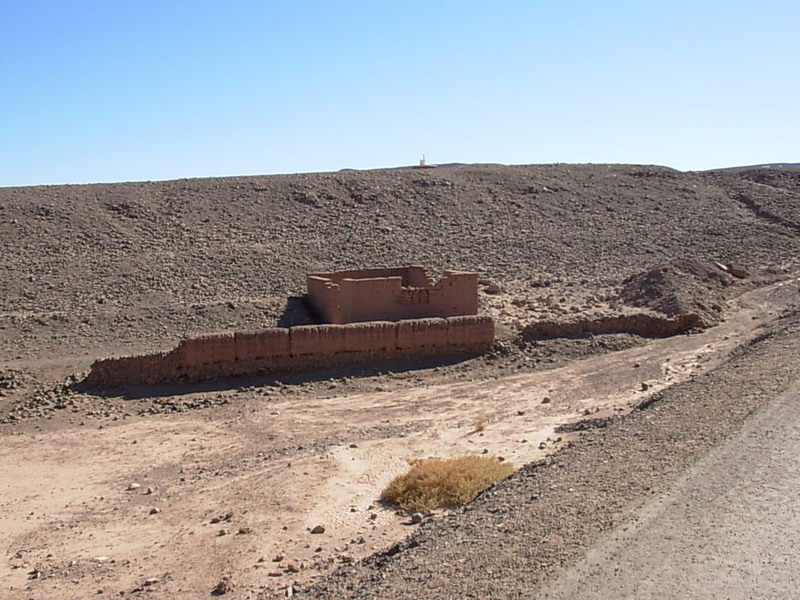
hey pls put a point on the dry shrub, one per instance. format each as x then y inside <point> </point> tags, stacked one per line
<point>444,482</point>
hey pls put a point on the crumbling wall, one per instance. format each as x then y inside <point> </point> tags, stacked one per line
<point>302,348</point>
<point>642,324</point>
<point>456,293</point>
<point>372,299</point>
<point>323,296</point>
<point>391,295</point>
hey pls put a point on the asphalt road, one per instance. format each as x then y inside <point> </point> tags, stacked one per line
<point>728,529</point>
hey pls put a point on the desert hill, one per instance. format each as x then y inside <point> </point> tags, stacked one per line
<point>142,262</point>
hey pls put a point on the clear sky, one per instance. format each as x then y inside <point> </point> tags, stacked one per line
<point>121,90</point>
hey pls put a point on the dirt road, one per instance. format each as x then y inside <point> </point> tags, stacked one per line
<point>730,528</point>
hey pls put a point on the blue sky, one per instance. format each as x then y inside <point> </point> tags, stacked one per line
<point>119,91</point>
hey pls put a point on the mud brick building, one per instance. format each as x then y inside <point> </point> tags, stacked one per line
<point>391,295</point>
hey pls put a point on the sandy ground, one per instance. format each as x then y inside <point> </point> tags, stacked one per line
<point>228,492</point>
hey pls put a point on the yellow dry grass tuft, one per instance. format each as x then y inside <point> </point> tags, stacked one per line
<point>444,482</point>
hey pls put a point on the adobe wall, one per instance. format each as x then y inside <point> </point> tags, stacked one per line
<point>641,324</point>
<point>391,295</point>
<point>323,296</point>
<point>303,348</point>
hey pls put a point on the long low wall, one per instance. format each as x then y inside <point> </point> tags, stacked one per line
<point>303,348</point>
<point>639,324</point>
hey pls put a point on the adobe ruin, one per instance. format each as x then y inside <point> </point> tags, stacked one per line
<point>301,348</point>
<point>391,295</point>
<point>373,316</point>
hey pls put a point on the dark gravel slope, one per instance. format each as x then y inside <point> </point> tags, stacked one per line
<point>150,260</point>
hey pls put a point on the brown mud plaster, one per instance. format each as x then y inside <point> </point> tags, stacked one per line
<point>391,295</point>
<point>303,348</point>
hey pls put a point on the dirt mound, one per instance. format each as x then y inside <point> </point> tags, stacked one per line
<point>683,287</point>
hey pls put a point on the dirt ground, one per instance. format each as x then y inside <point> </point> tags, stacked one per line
<point>172,503</point>
<point>167,492</point>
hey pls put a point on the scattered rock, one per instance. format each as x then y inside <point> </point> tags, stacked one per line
<point>493,288</point>
<point>225,586</point>
<point>318,529</point>
<point>416,517</point>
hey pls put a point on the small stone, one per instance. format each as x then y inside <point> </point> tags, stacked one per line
<point>278,558</point>
<point>222,532</point>
<point>134,486</point>
<point>318,529</point>
<point>546,400</point>
<point>292,568</point>
<point>155,510</point>
<point>244,530</point>
<point>645,387</point>
<point>226,586</point>
<point>542,445</point>
<point>151,581</point>
<point>416,517</point>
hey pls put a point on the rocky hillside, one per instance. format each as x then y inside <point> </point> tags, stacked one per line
<point>147,261</point>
